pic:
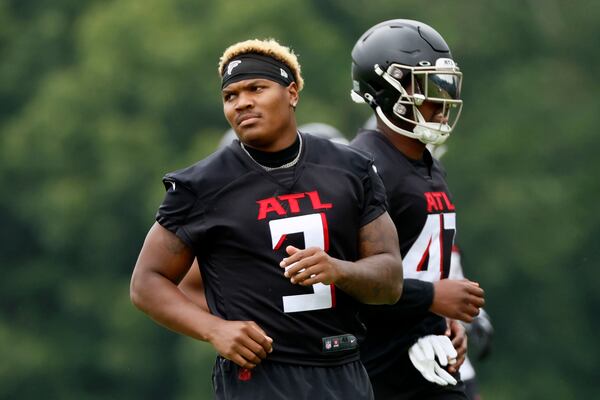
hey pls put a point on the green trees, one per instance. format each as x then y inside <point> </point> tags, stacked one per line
<point>99,99</point>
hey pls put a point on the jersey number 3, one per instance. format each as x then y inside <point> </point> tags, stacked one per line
<point>429,257</point>
<point>314,229</point>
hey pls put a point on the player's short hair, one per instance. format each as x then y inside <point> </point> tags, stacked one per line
<point>266,47</point>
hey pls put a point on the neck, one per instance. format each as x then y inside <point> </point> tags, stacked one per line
<point>278,159</point>
<point>285,139</point>
<point>411,148</point>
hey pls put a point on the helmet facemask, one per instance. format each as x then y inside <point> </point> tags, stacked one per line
<point>439,84</point>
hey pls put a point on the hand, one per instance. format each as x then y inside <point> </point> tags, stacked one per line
<point>242,342</point>
<point>423,353</point>
<point>457,299</point>
<point>309,266</point>
<point>456,333</point>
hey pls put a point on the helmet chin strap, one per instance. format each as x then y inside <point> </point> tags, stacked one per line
<point>426,132</point>
<point>431,132</point>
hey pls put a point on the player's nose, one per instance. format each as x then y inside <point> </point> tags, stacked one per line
<point>244,101</point>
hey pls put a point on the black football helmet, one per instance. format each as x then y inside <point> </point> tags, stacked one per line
<point>399,64</point>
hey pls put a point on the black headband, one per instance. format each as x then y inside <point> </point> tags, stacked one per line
<point>247,66</point>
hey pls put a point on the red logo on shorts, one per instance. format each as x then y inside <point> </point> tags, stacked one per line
<point>244,374</point>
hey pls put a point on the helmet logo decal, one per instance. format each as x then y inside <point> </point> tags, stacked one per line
<point>445,63</point>
<point>232,65</point>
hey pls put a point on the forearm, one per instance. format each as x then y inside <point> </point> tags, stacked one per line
<point>375,279</point>
<point>158,297</point>
<point>416,299</point>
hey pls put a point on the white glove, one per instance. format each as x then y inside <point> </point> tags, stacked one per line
<point>423,354</point>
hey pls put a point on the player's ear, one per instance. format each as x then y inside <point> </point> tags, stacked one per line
<point>292,90</point>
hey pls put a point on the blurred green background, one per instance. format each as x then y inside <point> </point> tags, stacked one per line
<point>98,99</point>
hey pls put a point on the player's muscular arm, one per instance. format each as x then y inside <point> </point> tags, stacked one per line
<point>193,287</point>
<point>163,261</point>
<point>376,278</point>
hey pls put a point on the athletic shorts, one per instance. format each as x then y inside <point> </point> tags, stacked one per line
<point>282,381</point>
<point>403,381</point>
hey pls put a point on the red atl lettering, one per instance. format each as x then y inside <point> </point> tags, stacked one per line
<point>269,205</point>
<point>316,201</point>
<point>292,200</point>
<point>447,201</point>
<point>274,204</point>
<point>438,201</point>
<point>431,203</point>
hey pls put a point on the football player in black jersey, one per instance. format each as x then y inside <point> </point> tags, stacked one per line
<point>192,284</point>
<point>404,70</point>
<point>291,234</point>
<point>447,297</point>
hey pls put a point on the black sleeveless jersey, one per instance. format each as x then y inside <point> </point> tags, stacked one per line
<point>422,210</point>
<point>239,218</point>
